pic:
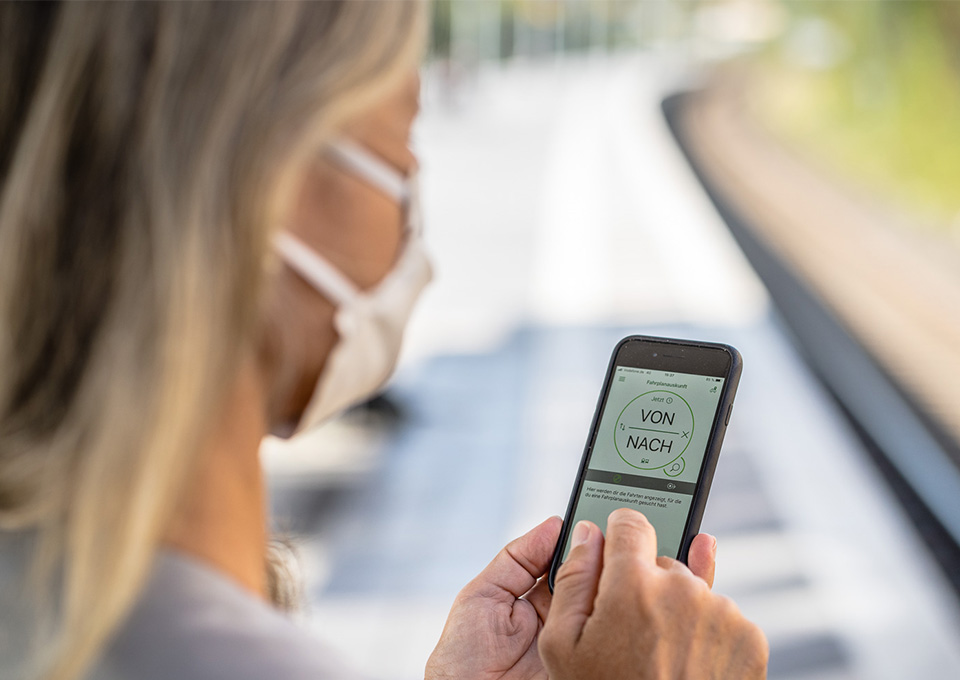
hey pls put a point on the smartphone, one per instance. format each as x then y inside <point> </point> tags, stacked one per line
<point>655,439</point>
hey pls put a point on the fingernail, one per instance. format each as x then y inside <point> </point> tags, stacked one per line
<point>713,548</point>
<point>581,532</point>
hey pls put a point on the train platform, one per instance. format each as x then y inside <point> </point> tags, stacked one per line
<point>563,216</point>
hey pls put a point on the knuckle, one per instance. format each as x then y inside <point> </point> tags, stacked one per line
<point>690,599</point>
<point>727,608</point>
<point>757,642</point>
<point>682,583</point>
<point>676,582</point>
<point>754,651</point>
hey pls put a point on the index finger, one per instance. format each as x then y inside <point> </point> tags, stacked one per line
<point>631,541</point>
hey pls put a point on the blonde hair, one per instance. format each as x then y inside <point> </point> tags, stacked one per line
<point>146,151</point>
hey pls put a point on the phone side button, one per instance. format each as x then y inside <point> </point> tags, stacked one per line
<point>729,411</point>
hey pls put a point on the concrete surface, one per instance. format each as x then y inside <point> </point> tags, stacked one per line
<point>562,217</point>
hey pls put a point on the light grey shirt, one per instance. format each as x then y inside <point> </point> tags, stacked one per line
<point>190,623</point>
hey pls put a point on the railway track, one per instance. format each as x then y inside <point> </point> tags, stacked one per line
<point>916,454</point>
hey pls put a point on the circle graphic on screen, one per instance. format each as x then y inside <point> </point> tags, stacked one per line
<point>653,430</point>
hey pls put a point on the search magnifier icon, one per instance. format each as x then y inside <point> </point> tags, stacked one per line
<point>675,468</point>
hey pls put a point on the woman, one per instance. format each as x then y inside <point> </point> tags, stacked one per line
<point>207,234</point>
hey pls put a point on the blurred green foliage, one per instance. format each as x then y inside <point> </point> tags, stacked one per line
<point>874,89</point>
<point>473,30</point>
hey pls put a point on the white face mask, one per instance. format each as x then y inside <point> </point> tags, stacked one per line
<point>370,324</point>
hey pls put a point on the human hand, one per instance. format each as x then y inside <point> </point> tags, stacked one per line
<point>619,611</point>
<point>494,623</point>
<point>492,628</point>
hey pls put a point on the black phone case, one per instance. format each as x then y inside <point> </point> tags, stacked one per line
<point>711,455</point>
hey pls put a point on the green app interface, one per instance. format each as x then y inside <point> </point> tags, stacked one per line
<point>648,450</point>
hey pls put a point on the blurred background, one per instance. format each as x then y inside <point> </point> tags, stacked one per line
<point>781,176</point>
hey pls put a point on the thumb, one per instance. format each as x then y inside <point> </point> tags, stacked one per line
<point>517,567</point>
<point>575,585</point>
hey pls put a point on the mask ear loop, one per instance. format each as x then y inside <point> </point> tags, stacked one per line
<point>381,175</point>
<point>311,265</point>
<point>315,269</point>
<point>361,162</point>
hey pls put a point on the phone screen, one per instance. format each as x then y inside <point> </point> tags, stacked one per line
<point>648,450</point>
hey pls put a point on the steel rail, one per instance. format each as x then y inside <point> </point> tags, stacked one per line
<point>914,454</point>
